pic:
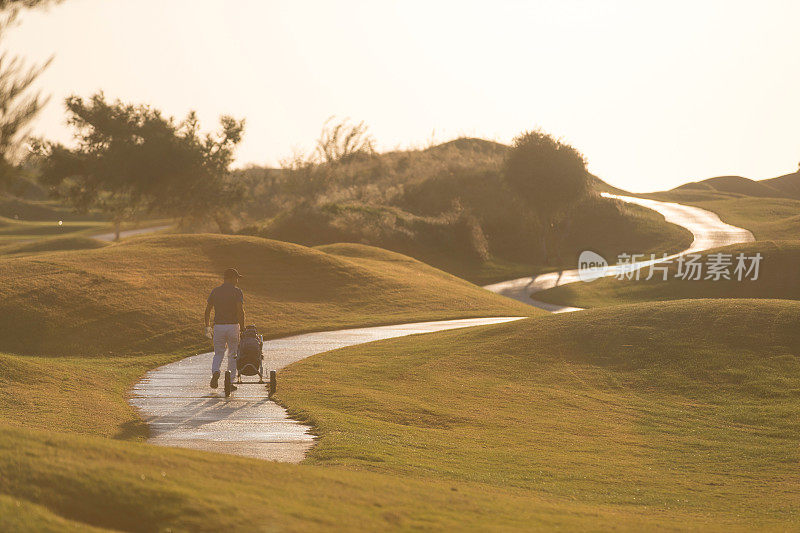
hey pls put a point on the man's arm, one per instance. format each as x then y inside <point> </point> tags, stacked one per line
<point>240,315</point>
<point>208,313</point>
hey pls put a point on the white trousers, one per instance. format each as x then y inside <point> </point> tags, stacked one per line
<point>226,338</point>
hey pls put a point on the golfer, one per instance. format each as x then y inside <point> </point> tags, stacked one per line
<point>227,301</point>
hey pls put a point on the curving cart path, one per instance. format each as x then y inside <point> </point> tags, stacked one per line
<point>181,410</point>
<point>706,227</point>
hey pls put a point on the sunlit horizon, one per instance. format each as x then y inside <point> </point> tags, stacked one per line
<point>654,97</point>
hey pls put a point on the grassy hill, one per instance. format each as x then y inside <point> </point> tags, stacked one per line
<point>84,325</point>
<point>447,205</point>
<point>734,185</point>
<point>81,327</point>
<point>786,186</point>
<point>670,409</point>
<point>779,277</point>
<point>680,420</point>
<point>149,293</point>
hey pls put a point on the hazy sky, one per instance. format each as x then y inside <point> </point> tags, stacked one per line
<point>653,93</point>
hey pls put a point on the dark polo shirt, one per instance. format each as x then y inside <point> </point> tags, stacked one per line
<point>225,299</point>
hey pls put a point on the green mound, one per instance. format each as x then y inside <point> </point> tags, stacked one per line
<point>148,294</point>
<point>470,144</point>
<point>51,245</point>
<point>644,417</point>
<point>676,408</point>
<point>788,184</point>
<point>64,479</point>
<point>346,249</point>
<point>779,277</point>
<point>737,185</point>
<point>21,515</point>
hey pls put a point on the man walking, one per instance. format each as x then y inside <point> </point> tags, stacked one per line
<point>227,301</point>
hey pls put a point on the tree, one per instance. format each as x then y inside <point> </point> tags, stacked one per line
<point>18,105</point>
<point>130,159</point>
<point>549,175</point>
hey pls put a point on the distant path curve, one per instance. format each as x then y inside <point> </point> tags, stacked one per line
<point>706,227</point>
<point>110,237</point>
<point>181,410</point>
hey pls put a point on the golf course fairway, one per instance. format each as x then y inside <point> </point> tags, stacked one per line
<point>649,416</point>
<point>565,421</point>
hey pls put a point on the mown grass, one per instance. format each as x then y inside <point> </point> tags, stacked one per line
<point>83,395</point>
<point>54,244</point>
<point>137,487</point>
<point>86,324</point>
<point>675,409</point>
<point>147,295</point>
<point>680,420</point>
<point>779,277</point>
<point>21,515</point>
<point>31,236</point>
<point>13,230</point>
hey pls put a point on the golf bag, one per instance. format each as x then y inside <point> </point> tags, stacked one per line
<point>249,362</point>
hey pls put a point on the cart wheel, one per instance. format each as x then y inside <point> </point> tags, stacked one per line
<point>227,383</point>
<point>273,382</point>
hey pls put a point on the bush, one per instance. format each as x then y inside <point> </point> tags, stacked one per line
<point>455,234</point>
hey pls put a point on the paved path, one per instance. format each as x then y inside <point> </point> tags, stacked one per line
<point>110,237</point>
<point>706,227</point>
<point>181,409</point>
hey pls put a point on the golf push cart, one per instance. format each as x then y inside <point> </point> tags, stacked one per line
<point>250,361</point>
